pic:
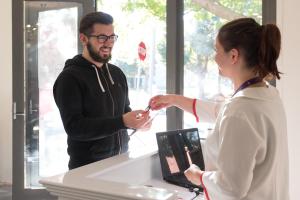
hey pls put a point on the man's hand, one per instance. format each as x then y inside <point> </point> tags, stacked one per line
<point>136,119</point>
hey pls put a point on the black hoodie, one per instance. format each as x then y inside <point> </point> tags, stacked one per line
<point>91,102</point>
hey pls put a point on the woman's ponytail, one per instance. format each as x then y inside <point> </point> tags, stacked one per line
<point>269,50</point>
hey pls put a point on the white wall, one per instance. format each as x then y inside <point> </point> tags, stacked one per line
<point>288,18</point>
<point>6,92</point>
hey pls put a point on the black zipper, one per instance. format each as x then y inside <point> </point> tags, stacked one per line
<point>111,96</point>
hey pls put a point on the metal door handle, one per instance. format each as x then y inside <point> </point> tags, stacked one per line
<point>15,114</point>
<point>30,107</point>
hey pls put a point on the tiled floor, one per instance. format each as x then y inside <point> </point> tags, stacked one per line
<point>5,193</point>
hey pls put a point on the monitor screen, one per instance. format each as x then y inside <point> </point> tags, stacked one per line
<point>178,150</point>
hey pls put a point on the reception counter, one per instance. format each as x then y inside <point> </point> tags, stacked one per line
<point>122,177</point>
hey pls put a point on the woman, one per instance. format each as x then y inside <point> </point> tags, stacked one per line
<point>246,155</point>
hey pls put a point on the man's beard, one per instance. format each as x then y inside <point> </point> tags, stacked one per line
<point>95,55</point>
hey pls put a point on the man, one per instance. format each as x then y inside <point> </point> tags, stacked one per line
<point>92,97</point>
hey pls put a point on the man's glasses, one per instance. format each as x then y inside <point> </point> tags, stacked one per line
<point>103,38</point>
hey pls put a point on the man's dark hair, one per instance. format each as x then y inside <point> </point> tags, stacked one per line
<point>88,21</point>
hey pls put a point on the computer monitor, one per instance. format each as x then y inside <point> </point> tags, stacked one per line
<point>177,150</point>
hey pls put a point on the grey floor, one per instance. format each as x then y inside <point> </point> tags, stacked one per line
<point>5,193</point>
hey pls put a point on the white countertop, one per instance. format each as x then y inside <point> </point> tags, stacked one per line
<point>126,176</point>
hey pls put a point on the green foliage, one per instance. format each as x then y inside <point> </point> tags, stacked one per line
<point>198,44</point>
<point>251,8</point>
<point>162,50</point>
<point>156,8</point>
<point>129,69</point>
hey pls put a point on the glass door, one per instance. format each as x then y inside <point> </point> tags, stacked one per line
<point>48,38</point>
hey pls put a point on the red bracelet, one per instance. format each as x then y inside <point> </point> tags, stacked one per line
<point>204,189</point>
<point>194,110</point>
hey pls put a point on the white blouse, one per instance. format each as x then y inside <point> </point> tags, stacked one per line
<point>246,155</point>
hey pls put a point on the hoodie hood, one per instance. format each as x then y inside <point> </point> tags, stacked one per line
<point>80,61</point>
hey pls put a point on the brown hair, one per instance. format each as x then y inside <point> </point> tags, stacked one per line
<point>88,21</point>
<point>260,45</point>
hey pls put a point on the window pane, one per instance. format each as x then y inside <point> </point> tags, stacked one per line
<point>202,19</point>
<point>141,27</point>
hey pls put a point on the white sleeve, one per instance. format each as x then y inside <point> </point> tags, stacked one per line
<point>206,110</point>
<point>239,144</point>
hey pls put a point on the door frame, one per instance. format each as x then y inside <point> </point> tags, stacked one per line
<point>19,107</point>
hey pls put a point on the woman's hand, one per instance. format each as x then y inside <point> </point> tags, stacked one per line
<point>193,174</point>
<point>160,101</point>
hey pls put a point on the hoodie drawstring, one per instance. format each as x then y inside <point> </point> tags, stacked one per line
<point>99,81</point>
<point>110,78</point>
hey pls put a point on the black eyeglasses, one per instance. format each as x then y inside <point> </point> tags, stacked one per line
<point>103,38</point>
